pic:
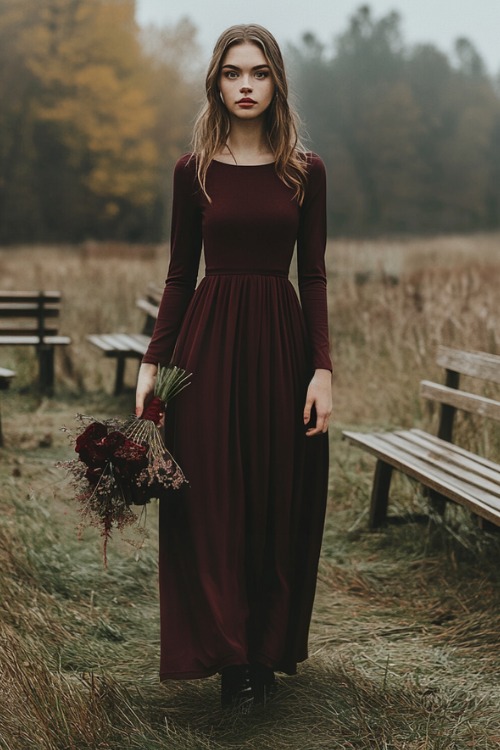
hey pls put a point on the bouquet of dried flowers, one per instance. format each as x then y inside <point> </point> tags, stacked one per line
<point>125,462</point>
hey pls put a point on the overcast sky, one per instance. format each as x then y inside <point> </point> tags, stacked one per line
<point>436,21</point>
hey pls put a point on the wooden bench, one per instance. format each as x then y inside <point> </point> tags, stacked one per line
<point>31,318</point>
<point>447,471</point>
<point>5,378</point>
<point>123,346</point>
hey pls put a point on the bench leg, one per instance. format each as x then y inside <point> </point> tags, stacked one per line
<point>46,368</point>
<point>120,372</point>
<point>484,524</point>
<point>437,502</point>
<point>380,494</point>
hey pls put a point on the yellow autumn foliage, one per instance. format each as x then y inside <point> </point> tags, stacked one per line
<point>88,95</point>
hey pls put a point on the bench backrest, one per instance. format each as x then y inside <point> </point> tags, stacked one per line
<point>27,313</point>
<point>149,304</point>
<point>154,291</point>
<point>456,362</point>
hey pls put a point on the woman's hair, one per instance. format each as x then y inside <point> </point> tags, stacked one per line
<point>212,125</point>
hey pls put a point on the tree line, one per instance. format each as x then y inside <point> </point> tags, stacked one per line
<point>95,111</point>
<point>411,141</point>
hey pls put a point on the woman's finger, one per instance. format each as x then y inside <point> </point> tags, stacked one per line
<point>307,409</point>
<point>321,424</point>
<point>139,403</point>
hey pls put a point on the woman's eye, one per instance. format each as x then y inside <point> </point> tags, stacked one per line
<point>261,74</point>
<point>231,74</point>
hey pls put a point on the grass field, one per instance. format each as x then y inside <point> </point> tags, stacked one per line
<point>404,641</point>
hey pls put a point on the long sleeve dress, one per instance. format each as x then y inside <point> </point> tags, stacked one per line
<point>239,545</point>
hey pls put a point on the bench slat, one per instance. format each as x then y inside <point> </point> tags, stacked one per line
<point>476,364</point>
<point>456,448</point>
<point>136,342</point>
<point>35,340</point>
<point>441,460</point>
<point>148,307</point>
<point>118,342</point>
<point>440,481</point>
<point>108,342</point>
<point>100,341</point>
<point>5,378</point>
<point>461,458</point>
<point>114,344</point>
<point>470,402</point>
<point>13,296</point>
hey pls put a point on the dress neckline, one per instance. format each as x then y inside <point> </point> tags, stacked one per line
<point>228,164</point>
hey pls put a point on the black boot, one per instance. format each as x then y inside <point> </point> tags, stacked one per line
<point>263,681</point>
<point>236,688</point>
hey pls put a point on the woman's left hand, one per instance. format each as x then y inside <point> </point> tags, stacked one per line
<point>319,394</point>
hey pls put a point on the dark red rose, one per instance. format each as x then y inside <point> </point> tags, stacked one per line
<point>96,446</point>
<point>88,444</point>
<point>113,442</point>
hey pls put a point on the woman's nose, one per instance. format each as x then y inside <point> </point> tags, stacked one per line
<point>245,86</point>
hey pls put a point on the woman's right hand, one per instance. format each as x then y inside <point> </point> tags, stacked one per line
<point>145,386</point>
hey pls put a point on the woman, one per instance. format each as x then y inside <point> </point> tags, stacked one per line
<point>239,547</point>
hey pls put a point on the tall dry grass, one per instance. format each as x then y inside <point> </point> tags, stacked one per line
<point>392,304</point>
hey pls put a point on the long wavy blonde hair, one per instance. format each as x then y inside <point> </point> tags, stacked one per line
<point>212,125</point>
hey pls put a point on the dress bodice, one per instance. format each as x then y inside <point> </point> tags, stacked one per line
<point>249,224</point>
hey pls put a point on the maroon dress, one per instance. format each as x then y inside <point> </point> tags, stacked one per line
<point>239,546</point>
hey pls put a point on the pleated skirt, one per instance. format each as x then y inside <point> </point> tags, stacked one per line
<point>239,545</point>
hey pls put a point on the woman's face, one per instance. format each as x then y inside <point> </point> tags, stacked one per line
<point>245,81</point>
